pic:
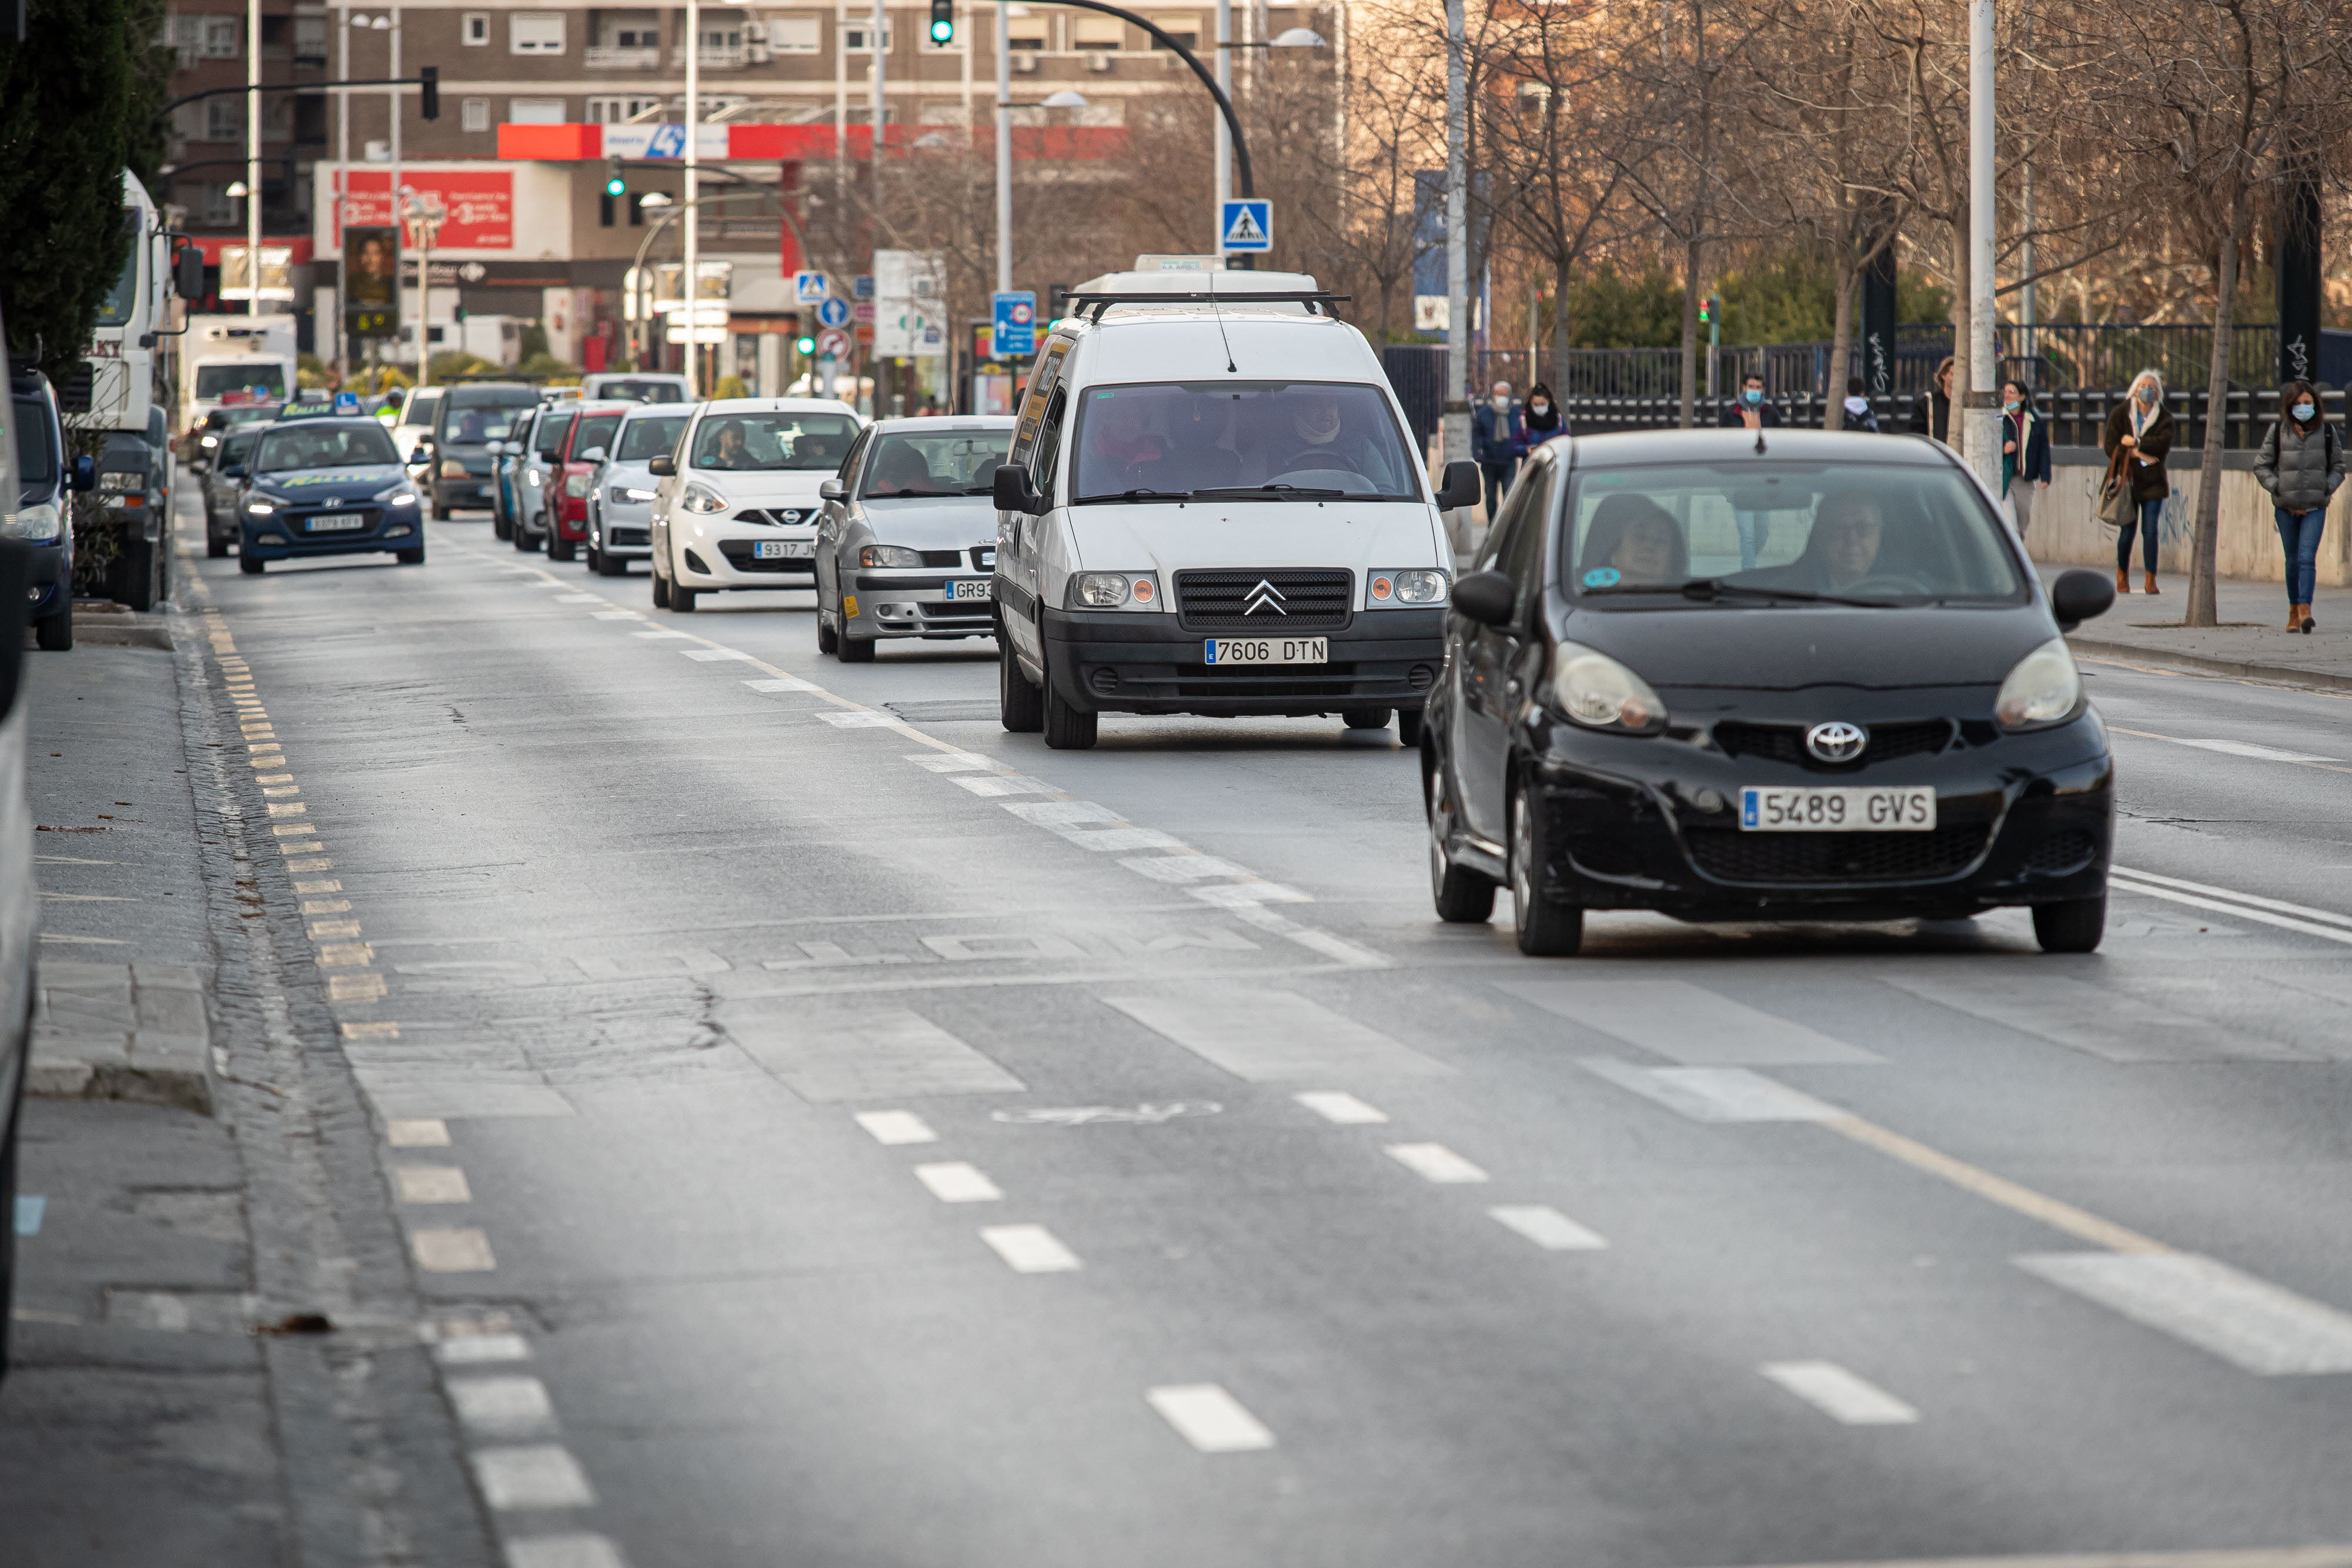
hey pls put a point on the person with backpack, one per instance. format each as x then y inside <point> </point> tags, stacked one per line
<point>1858,413</point>
<point>2301,464</point>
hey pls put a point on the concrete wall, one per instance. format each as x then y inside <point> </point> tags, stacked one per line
<point>2065,532</point>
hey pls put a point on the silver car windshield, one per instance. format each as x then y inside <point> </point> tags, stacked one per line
<point>1250,439</point>
<point>947,464</point>
<point>645,438</point>
<point>1745,533</point>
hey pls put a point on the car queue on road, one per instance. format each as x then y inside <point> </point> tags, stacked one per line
<point>1208,506</point>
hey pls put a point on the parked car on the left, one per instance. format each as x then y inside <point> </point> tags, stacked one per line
<point>46,480</point>
<point>19,898</point>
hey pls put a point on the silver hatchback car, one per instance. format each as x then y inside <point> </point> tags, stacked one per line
<point>620,507</point>
<point>907,543</point>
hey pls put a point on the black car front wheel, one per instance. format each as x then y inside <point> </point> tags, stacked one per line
<point>1546,927</point>
<point>2074,926</point>
<point>1463,896</point>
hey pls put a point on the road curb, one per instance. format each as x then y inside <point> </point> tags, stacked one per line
<point>122,1032</point>
<point>2285,674</point>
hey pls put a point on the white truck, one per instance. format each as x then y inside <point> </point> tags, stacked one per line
<point>235,358</point>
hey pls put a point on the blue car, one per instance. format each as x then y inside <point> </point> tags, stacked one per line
<point>46,481</point>
<point>329,483</point>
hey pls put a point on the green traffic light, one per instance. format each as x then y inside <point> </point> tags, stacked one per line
<point>943,32</point>
<point>615,186</point>
<point>805,345</point>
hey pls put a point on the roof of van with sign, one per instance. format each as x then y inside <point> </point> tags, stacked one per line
<point>1190,338</point>
<point>1276,293</point>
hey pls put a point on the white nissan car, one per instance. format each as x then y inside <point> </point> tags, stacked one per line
<point>737,505</point>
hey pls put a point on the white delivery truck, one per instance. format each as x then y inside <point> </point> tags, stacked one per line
<point>1214,508</point>
<point>128,408</point>
<point>233,359</point>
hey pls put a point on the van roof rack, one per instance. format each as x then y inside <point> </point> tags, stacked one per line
<point>1310,298</point>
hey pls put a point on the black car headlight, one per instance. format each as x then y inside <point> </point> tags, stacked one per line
<point>2043,690</point>
<point>1594,690</point>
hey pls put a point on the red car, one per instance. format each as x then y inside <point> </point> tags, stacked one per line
<point>572,478</point>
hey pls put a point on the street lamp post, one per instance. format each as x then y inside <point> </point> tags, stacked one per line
<point>693,285</point>
<point>1004,146</point>
<point>253,157</point>
<point>1982,447</point>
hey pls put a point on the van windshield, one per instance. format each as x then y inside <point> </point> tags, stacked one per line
<point>240,383</point>
<point>1239,440</point>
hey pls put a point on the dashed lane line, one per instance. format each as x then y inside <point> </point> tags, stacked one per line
<point>1208,1419</point>
<point>955,1181</point>
<point>1547,1227</point>
<point>896,1127</point>
<point>1840,1394</point>
<point>1435,1163</point>
<point>1029,1248</point>
<point>1338,1105</point>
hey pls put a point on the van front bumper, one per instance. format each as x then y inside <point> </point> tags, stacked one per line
<point>1135,662</point>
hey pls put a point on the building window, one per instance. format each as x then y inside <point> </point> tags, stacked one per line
<point>1097,33</point>
<point>618,108</point>
<point>309,40</point>
<point>207,37</point>
<point>474,114</point>
<point>476,29</point>
<point>536,33</point>
<point>1029,33</point>
<point>796,34</point>
<point>535,110</point>
<point>224,119</point>
<point>856,39</point>
<point>1183,26</point>
<point>219,211</point>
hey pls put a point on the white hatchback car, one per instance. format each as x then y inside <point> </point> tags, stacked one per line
<point>737,506</point>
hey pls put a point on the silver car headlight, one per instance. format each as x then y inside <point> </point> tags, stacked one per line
<point>39,523</point>
<point>702,499</point>
<point>630,495</point>
<point>889,555</point>
<point>1596,690</point>
<point>532,478</point>
<point>2043,689</point>
<point>1110,590</point>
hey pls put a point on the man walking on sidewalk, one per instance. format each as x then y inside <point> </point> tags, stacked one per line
<point>1496,436</point>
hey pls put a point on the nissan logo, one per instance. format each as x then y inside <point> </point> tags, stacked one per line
<point>1836,741</point>
<point>1263,598</point>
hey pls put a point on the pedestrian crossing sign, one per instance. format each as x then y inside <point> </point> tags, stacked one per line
<point>1246,226</point>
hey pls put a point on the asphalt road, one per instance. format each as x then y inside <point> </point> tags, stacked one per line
<point>835,1132</point>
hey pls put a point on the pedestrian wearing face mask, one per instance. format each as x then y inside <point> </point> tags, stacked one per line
<point>2301,464</point>
<point>2025,455</point>
<point>1496,439</point>
<point>1859,414</point>
<point>2140,427</point>
<point>1750,409</point>
<point>1541,419</point>
<point>1931,416</point>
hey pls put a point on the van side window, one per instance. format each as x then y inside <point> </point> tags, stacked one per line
<point>552,429</point>
<point>1049,444</point>
<point>1042,387</point>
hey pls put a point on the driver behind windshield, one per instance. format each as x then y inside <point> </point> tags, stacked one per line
<point>731,451</point>
<point>1842,551</point>
<point>1121,451</point>
<point>901,471</point>
<point>1310,432</point>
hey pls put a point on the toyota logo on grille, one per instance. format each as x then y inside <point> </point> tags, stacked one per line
<point>1836,741</point>
<point>1263,598</point>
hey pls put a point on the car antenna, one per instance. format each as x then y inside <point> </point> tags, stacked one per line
<point>1218,311</point>
<point>1759,441</point>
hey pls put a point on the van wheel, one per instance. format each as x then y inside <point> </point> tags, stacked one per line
<point>1066,729</point>
<point>1409,727</point>
<point>2075,925</point>
<point>1546,929</point>
<point>54,633</point>
<point>1020,707</point>
<point>856,650</point>
<point>1364,717</point>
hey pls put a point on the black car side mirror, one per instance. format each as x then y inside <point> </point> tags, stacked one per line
<point>2079,595</point>
<point>661,464</point>
<point>1485,597</point>
<point>1461,487</point>
<point>1013,493</point>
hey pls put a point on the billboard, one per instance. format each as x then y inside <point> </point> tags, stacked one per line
<point>480,203</point>
<point>371,264</point>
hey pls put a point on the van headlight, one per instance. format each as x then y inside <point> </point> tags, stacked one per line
<point>702,499</point>
<point>1110,590</point>
<point>1413,587</point>
<point>1596,690</point>
<point>39,523</point>
<point>2043,689</point>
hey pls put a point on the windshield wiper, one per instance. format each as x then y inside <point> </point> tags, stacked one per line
<point>1712,587</point>
<point>921,495</point>
<point>1277,492</point>
<point>1134,495</point>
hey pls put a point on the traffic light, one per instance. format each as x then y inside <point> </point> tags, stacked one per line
<point>428,96</point>
<point>1707,308</point>
<point>616,182</point>
<point>805,344</point>
<point>942,22</point>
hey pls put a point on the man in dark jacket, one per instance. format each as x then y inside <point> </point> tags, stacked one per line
<point>1496,438</point>
<point>1750,410</point>
<point>1932,416</point>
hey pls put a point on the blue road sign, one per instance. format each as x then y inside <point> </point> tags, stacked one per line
<point>862,285</point>
<point>1015,327</point>
<point>833,313</point>
<point>808,288</point>
<point>1246,226</point>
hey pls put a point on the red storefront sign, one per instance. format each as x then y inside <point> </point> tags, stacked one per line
<point>480,202</point>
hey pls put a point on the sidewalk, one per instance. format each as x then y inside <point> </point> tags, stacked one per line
<point>2252,640</point>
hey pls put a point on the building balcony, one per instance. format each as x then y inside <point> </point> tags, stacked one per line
<point>714,59</point>
<point>612,58</point>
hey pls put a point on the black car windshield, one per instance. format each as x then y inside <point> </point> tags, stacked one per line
<point>1746,533</point>
<point>237,448</point>
<point>645,438</point>
<point>774,440</point>
<point>947,464</point>
<point>643,391</point>
<point>1239,440</point>
<point>346,445</point>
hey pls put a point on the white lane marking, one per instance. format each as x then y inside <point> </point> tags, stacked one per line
<point>674,636</point>
<point>1307,936</point>
<point>1208,1419</point>
<point>954,1181</point>
<point>1435,1162</point>
<point>1338,1105</point>
<point>2239,910</point>
<point>417,1133</point>
<point>896,1127</point>
<point>2112,1024</point>
<point>1101,840</point>
<point>1713,1094</point>
<point>1839,1394</point>
<point>1030,1248</point>
<point>1063,813</point>
<point>2247,1321</point>
<point>1547,1227</point>
<point>2258,900</point>
<point>1687,1023</point>
<point>1000,946</point>
<point>579,599</point>
<point>1242,895</point>
<point>432,1183</point>
<point>781,684</point>
<point>617,615</point>
<point>481,1349</point>
<point>713,655</point>
<point>1001,784</point>
<point>535,1476</point>
<point>2229,747</point>
<point>856,718</point>
<point>452,1251</point>
<point>575,1551</point>
<point>1183,868</point>
<point>1273,1037</point>
<point>951,762</point>
<point>514,1407</point>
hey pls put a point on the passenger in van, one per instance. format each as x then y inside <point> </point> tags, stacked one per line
<point>1195,433</point>
<point>1318,436</point>
<point>1121,451</point>
<point>1636,539</point>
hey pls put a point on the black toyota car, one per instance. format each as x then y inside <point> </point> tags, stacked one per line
<point>1738,675</point>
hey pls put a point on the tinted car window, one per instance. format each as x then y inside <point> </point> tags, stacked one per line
<point>36,453</point>
<point>1182,436</point>
<point>551,427</point>
<point>651,438</point>
<point>485,413</point>
<point>348,445</point>
<point>237,448</point>
<point>947,464</point>
<point>759,441</point>
<point>595,430</point>
<point>642,391</point>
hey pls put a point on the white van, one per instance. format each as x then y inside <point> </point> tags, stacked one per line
<point>1214,506</point>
